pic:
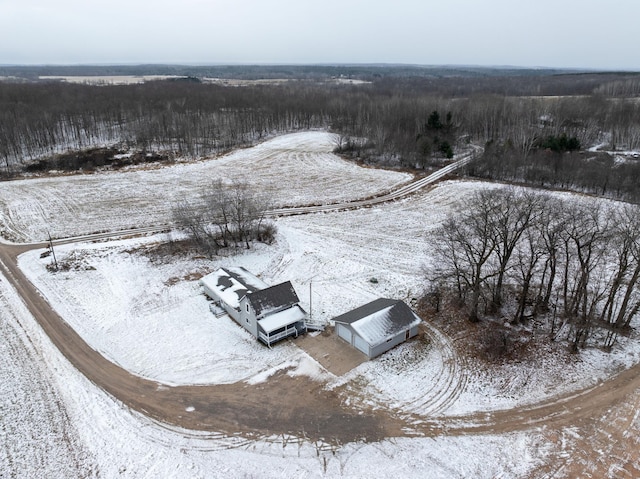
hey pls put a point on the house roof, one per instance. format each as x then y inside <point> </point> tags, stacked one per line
<point>232,284</point>
<point>273,298</point>
<point>380,320</point>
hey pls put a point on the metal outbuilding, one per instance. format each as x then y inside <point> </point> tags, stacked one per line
<point>378,326</point>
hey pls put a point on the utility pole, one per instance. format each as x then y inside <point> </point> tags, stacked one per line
<point>53,253</point>
<point>311,296</point>
<point>310,301</point>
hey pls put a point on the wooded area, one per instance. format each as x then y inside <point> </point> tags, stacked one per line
<point>573,267</point>
<point>222,215</point>
<point>386,121</point>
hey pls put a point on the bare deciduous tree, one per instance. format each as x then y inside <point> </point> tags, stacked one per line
<point>465,245</point>
<point>587,255</point>
<point>513,211</point>
<point>224,214</point>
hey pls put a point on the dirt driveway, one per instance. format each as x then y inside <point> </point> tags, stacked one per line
<point>283,405</point>
<point>302,407</point>
<point>334,354</point>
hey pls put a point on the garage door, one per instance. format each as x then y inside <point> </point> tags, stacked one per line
<point>361,345</point>
<point>344,332</point>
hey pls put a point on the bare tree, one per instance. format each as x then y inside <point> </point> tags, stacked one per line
<point>629,225</point>
<point>585,241</point>
<point>194,219</point>
<point>529,254</point>
<point>464,246</point>
<point>513,211</point>
<point>550,226</point>
<point>223,214</point>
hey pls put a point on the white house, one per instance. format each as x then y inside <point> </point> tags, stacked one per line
<point>269,313</point>
<point>377,326</point>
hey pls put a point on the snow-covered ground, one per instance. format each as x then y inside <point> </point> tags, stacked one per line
<point>290,170</point>
<point>110,79</point>
<point>74,429</point>
<point>132,308</point>
<point>55,423</point>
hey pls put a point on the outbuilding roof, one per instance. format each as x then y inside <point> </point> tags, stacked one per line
<point>380,320</point>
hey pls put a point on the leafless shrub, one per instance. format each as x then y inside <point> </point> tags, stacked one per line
<point>267,233</point>
<point>495,343</point>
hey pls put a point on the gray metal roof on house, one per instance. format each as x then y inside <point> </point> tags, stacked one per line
<point>273,298</point>
<point>379,320</point>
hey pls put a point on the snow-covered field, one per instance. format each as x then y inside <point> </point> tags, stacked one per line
<point>290,170</point>
<point>109,79</point>
<point>132,308</point>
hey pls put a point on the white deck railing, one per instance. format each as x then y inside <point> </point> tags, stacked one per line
<point>269,339</point>
<point>315,325</point>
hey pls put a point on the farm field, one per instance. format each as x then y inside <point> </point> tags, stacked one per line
<point>292,170</point>
<point>131,306</point>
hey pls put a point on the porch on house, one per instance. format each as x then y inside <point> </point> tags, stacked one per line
<point>275,327</point>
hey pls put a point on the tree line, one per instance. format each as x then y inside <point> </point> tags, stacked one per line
<point>571,266</point>
<point>40,119</point>
<point>597,173</point>
<point>388,121</point>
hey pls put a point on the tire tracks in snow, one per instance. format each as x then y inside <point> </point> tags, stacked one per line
<point>449,383</point>
<point>563,412</point>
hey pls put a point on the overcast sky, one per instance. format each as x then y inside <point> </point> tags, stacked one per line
<point>551,33</point>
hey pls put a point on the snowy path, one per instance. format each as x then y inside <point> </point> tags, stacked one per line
<point>31,404</point>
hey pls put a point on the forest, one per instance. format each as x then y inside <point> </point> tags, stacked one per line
<point>570,268</point>
<point>389,120</point>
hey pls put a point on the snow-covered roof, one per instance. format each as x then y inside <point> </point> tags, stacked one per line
<point>273,298</point>
<point>281,319</point>
<point>232,284</point>
<point>379,320</point>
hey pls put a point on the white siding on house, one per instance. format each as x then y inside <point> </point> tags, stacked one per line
<point>261,309</point>
<point>247,318</point>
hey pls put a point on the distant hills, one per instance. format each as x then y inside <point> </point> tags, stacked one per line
<point>251,72</point>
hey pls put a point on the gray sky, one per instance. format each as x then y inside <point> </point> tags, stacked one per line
<point>552,33</point>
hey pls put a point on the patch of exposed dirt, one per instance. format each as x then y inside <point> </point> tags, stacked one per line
<point>93,159</point>
<point>167,251</point>
<point>333,353</point>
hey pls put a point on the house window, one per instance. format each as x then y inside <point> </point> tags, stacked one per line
<point>247,307</point>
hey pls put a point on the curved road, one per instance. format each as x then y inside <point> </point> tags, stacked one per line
<point>286,405</point>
